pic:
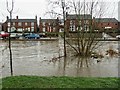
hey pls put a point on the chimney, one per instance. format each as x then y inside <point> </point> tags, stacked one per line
<point>16,17</point>
<point>36,17</point>
<point>40,19</point>
<point>7,17</point>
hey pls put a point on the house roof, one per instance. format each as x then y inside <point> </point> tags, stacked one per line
<point>22,20</point>
<point>106,20</point>
<point>48,20</point>
<point>81,16</point>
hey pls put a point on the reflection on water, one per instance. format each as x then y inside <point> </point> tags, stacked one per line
<point>43,58</point>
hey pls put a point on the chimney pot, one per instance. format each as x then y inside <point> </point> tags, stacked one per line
<point>16,17</point>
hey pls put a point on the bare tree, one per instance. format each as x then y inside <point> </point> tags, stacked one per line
<point>85,41</point>
<point>64,18</point>
<point>87,35</point>
<point>10,12</point>
<point>64,7</point>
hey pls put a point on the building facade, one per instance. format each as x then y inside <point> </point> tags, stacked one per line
<point>49,25</point>
<point>106,23</point>
<point>73,22</point>
<point>21,25</point>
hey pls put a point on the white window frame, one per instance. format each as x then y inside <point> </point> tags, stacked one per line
<point>28,29</point>
<point>13,23</point>
<point>20,29</point>
<point>43,29</point>
<point>32,29</point>
<point>26,23</point>
<point>8,23</point>
<point>8,29</point>
<point>19,24</point>
<point>32,24</point>
<point>72,27</point>
<point>43,23</point>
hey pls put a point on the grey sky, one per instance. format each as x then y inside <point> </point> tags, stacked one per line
<point>30,8</point>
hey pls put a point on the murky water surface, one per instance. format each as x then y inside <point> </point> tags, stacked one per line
<point>40,58</point>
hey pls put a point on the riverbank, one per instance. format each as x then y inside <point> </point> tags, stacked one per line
<point>41,39</point>
<point>58,82</point>
<point>56,38</point>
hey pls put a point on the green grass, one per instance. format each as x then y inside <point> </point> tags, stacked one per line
<point>58,82</point>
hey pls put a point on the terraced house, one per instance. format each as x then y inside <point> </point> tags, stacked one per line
<point>74,21</point>
<point>21,25</point>
<point>107,24</point>
<point>49,25</point>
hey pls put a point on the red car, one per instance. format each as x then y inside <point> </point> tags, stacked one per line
<point>4,34</point>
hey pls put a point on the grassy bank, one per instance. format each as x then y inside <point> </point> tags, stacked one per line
<point>58,82</point>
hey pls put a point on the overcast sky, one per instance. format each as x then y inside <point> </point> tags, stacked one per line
<point>30,8</point>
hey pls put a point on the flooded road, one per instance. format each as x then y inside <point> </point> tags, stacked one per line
<point>40,58</point>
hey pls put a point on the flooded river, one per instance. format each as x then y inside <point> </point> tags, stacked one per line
<point>40,58</point>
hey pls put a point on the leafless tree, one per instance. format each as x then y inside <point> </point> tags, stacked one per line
<point>10,11</point>
<point>64,7</point>
<point>85,41</point>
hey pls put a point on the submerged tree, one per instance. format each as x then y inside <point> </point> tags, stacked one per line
<point>10,11</point>
<point>85,40</point>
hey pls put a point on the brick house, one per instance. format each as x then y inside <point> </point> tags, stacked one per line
<point>73,21</point>
<point>21,25</point>
<point>106,24</point>
<point>49,25</point>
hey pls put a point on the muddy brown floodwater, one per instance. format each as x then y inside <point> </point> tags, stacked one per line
<point>39,58</point>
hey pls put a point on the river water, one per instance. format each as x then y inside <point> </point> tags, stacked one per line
<point>40,58</point>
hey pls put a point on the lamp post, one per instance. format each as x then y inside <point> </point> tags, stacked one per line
<point>64,17</point>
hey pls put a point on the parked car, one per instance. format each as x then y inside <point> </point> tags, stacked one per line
<point>13,35</point>
<point>32,36</point>
<point>4,34</point>
<point>41,35</point>
<point>118,36</point>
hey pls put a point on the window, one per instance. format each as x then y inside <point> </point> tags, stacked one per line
<point>32,29</point>
<point>32,24</point>
<point>20,29</point>
<point>26,24</point>
<point>43,29</point>
<point>116,24</point>
<point>29,29</point>
<point>8,29</point>
<point>72,27</point>
<point>86,22</point>
<point>13,23</point>
<point>43,23</point>
<point>9,24</point>
<point>108,24</point>
<point>71,22</point>
<point>19,24</point>
<point>54,29</point>
<point>86,28</point>
<point>80,22</point>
